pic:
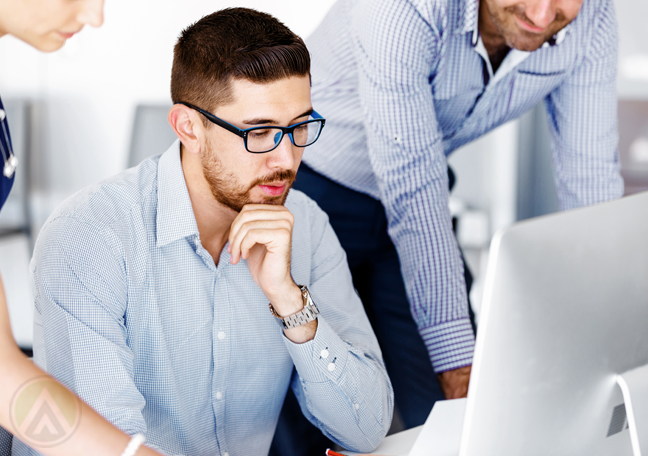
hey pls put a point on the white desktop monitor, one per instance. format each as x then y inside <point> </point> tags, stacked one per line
<point>565,311</point>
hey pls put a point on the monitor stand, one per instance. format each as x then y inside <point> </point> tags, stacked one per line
<point>634,387</point>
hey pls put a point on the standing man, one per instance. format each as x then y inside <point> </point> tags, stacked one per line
<point>182,298</point>
<point>404,83</point>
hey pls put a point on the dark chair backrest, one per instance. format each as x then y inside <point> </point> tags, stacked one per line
<point>152,134</point>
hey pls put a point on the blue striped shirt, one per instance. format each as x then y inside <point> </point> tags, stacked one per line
<point>134,316</point>
<point>402,86</point>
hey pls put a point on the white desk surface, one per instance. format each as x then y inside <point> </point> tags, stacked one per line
<point>397,444</point>
<point>441,433</point>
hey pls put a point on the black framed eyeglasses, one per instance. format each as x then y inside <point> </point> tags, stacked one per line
<point>260,140</point>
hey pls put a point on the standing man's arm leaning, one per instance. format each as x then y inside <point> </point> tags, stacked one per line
<point>397,53</point>
<point>583,118</point>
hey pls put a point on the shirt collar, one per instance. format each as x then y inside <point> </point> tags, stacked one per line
<point>175,217</point>
<point>558,37</point>
<point>468,13</point>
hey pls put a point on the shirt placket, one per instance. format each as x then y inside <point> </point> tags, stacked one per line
<point>221,349</point>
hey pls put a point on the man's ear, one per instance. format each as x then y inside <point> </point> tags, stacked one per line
<point>187,127</point>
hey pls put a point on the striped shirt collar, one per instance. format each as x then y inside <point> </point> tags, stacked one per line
<point>175,217</point>
<point>468,13</point>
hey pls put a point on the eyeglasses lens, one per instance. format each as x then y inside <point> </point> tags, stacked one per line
<point>263,139</point>
<point>306,134</point>
<point>266,139</point>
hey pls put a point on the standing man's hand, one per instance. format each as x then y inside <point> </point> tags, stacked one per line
<point>262,235</point>
<point>455,382</point>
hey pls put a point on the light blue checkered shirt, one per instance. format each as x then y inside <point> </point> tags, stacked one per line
<point>402,86</point>
<point>133,315</point>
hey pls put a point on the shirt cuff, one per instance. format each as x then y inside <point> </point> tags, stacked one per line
<point>451,344</point>
<point>321,359</point>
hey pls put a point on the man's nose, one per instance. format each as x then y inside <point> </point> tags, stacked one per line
<point>541,12</point>
<point>283,156</point>
<point>91,13</point>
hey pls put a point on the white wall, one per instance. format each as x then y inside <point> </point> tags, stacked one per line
<point>86,93</point>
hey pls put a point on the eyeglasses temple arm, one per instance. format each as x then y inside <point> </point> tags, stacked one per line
<point>212,118</point>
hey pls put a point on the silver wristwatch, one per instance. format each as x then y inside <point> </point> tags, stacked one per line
<point>306,315</point>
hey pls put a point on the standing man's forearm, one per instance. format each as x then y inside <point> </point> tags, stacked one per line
<point>583,120</point>
<point>406,148</point>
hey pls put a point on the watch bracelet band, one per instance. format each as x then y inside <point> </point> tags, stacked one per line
<point>304,316</point>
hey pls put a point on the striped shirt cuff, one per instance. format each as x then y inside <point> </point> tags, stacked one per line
<point>451,344</point>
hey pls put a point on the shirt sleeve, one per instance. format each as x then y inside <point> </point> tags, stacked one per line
<point>396,51</point>
<point>336,367</point>
<point>583,121</point>
<point>79,315</point>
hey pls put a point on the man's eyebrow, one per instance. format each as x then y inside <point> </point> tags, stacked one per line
<point>262,121</point>
<point>308,112</point>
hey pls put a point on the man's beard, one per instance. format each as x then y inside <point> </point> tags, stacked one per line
<point>518,38</point>
<point>230,193</point>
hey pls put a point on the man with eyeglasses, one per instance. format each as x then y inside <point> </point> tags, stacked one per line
<point>183,298</point>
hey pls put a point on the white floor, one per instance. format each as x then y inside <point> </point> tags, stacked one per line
<point>15,255</point>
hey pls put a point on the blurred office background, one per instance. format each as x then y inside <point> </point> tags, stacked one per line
<point>99,106</point>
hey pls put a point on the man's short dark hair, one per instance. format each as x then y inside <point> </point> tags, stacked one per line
<point>234,43</point>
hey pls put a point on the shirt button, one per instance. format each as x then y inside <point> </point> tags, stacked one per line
<point>324,353</point>
<point>226,454</point>
<point>219,395</point>
<point>2,115</point>
<point>331,367</point>
<point>221,335</point>
<point>357,406</point>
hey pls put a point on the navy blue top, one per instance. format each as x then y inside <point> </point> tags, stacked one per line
<point>5,183</point>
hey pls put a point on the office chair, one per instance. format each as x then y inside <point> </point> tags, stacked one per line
<point>152,134</point>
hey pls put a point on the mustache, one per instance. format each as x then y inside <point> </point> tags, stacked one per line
<point>520,11</point>
<point>286,175</point>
